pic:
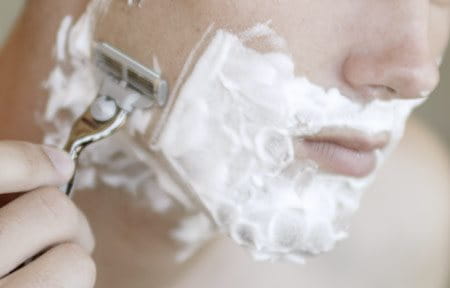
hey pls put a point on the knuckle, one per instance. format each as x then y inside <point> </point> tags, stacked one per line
<point>57,206</point>
<point>67,259</point>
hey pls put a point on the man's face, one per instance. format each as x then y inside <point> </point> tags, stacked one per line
<point>277,158</point>
<point>277,161</point>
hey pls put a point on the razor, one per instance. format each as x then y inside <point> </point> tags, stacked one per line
<point>125,85</point>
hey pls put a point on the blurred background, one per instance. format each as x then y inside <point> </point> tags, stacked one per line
<point>436,112</point>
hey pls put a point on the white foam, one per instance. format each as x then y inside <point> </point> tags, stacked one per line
<point>135,3</point>
<point>231,134</point>
<point>264,32</point>
<point>230,137</point>
<point>61,38</point>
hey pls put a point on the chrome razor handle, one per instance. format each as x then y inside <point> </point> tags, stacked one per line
<point>125,85</point>
<point>86,130</point>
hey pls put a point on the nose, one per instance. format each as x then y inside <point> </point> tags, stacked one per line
<point>403,69</point>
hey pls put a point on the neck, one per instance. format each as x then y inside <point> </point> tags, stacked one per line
<point>133,243</point>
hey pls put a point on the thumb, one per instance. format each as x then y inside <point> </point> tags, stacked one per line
<point>25,166</point>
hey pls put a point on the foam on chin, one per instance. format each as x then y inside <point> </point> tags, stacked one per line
<point>230,138</point>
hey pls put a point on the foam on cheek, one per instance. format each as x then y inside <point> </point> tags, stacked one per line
<point>72,87</point>
<point>135,3</point>
<point>231,136</point>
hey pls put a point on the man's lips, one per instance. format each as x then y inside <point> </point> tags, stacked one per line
<point>343,151</point>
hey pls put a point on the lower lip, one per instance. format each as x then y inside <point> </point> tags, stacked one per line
<point>339,159</point>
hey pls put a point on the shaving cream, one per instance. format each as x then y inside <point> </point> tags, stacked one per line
<point>230,138</point>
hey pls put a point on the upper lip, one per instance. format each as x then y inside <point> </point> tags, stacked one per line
<point>351,139</point>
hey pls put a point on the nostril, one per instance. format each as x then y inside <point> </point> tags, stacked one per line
<point>390,90</point>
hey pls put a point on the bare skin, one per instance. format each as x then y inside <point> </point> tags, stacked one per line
<point>400,247</point>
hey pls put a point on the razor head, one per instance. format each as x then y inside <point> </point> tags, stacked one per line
<point>131,75</point>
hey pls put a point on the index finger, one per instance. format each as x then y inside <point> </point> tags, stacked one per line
<point>25,166</point>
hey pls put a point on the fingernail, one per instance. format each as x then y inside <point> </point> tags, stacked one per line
<point>60,160</point>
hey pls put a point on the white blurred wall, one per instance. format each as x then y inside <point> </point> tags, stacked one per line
<point>435,112</point>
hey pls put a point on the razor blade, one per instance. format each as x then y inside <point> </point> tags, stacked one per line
<point>125,85</point>
<point>130,75</point>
